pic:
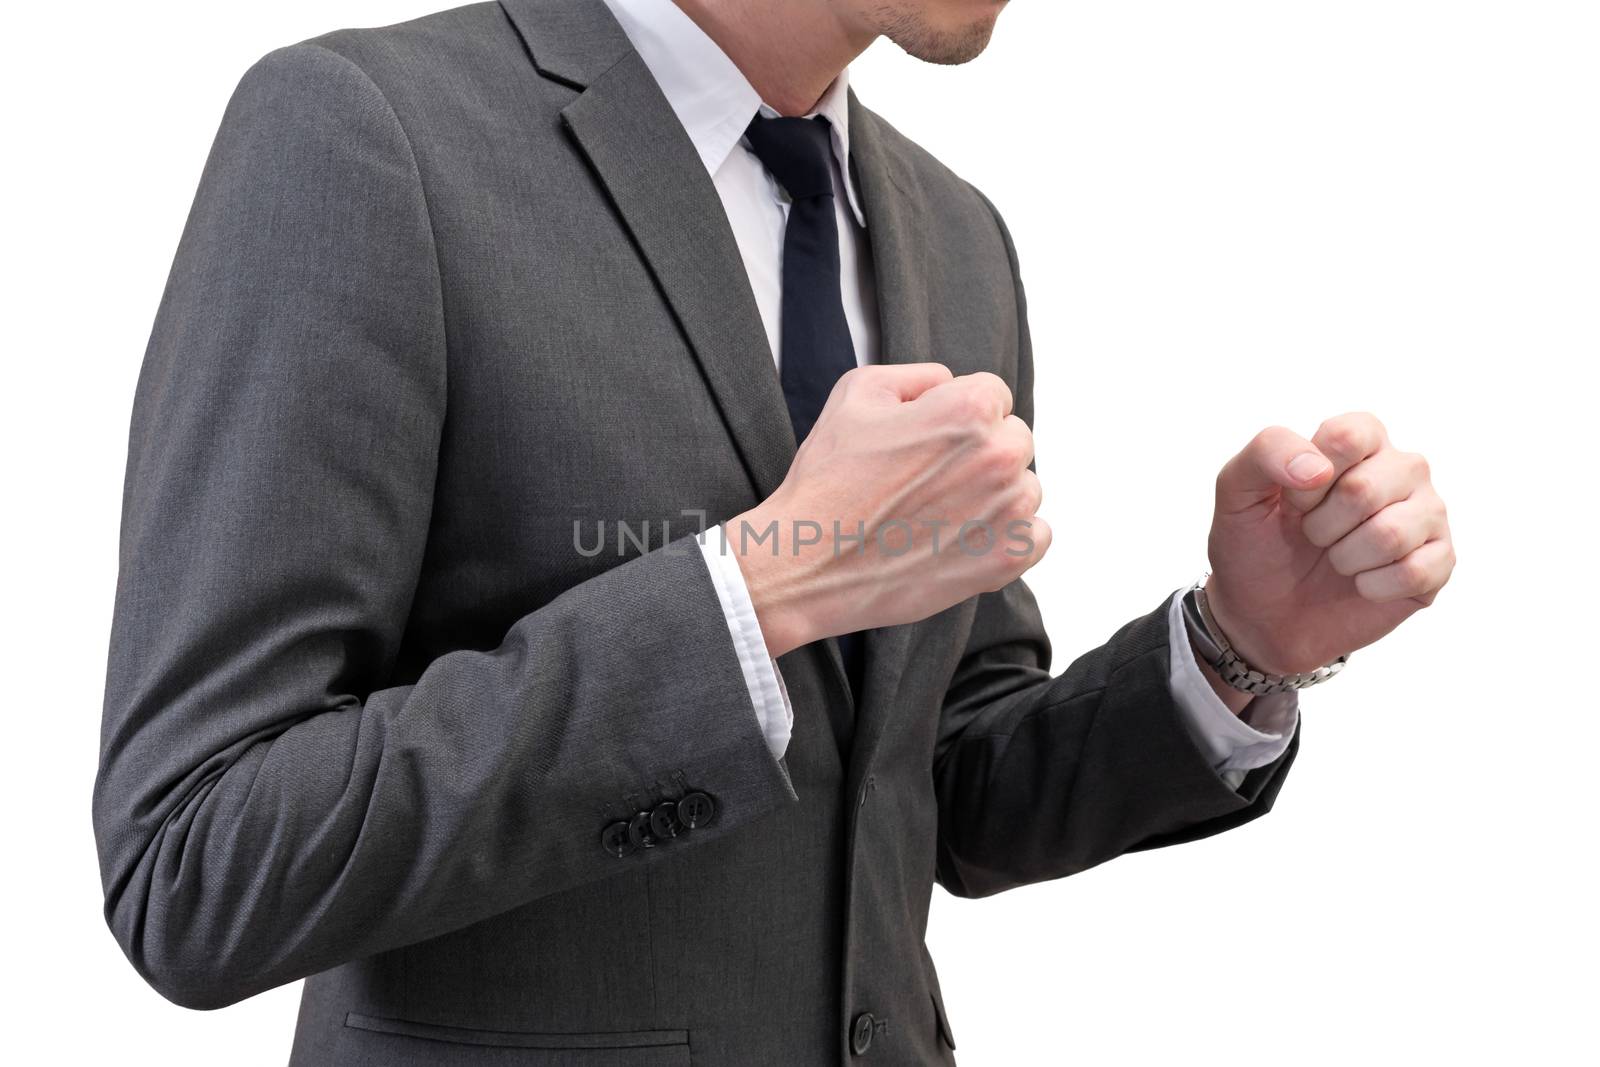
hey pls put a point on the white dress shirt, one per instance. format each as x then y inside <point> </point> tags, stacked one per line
<point>715,103</point>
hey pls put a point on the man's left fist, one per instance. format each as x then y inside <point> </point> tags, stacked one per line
<point>1321,547</point>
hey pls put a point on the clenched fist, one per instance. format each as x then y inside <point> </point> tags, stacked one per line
<point>1321,547</point>
<point>911,494</point>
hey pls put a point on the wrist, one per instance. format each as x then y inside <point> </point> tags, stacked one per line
<point>772,574</point>
<point>1241,636</point>
<point>1210,637</point>
<point>1235,699</point>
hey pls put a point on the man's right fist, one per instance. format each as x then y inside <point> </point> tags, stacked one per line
<point>911,494</point>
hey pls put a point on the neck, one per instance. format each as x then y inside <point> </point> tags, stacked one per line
<point>789,50</point>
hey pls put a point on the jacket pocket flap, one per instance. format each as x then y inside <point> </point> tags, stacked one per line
<point>466,1035</point>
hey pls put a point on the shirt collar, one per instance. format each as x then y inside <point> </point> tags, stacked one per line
<point>710,95</point>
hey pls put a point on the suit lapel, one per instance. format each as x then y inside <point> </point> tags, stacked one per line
<point>892,200</point>
<point>661,189</point>
<point>639,151</point>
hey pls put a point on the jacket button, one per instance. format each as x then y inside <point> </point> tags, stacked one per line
<point>614,839</point>
<point>639,831</point>
<point>664,821</point>
<point>861,1033</point>
<point>695,810</point>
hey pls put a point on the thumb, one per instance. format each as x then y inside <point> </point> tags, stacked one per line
<point>1275,459</point>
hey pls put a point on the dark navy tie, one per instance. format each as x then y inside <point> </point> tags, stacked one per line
<point>814,337</point>
<point>814,345</point>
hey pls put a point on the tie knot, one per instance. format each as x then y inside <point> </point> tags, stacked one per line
<point>797,152</point>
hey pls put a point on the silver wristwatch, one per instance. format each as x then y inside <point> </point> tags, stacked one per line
<point>1210,642</point>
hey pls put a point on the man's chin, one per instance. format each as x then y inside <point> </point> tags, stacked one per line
<point>947,45</point>
<point>948,49</point>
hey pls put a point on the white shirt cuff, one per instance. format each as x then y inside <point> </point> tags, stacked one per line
<point>1233,743</point>
<point>768,694</point>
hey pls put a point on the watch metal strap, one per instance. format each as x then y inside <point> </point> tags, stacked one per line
<point>1232,667</point>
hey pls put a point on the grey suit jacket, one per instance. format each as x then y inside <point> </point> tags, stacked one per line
<point>447,287</point>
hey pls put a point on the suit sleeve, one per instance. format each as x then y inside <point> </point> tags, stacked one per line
<point>1040,777</point>
<point>268,804</point>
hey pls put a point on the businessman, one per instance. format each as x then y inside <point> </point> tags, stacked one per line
<point>569,606</point>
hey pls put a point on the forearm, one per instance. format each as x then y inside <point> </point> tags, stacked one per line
<point>259,824</point>
<point>1041,777</point>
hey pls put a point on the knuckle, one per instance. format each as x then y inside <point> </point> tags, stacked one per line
<point>1352,434</point>
<point>992,393</point>
<point>969,408</point>
<point>1022,500</point>
<point>994,473</point>
<point>1033,495</point>
<point>987,379</point>
<point>1390,536</point>
<point>1413,575</point>
<point>1340,436</point>
<point>998,387</point>
<point>1043,535</point>
<point>1359,490</point>
<point>1264,438</point>
<point>1006,456</point>
<point>1366,421</point>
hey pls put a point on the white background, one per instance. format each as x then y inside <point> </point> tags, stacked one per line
<point>1229,214</point>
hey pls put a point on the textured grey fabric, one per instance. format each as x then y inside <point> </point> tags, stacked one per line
<point>448,286</point>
